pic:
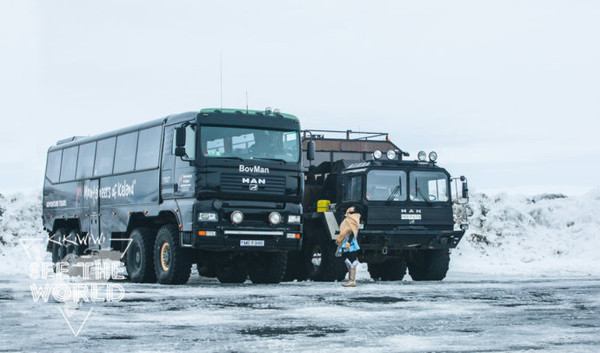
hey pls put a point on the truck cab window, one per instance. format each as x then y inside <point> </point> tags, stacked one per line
<point>190,142</point>
<point>381,184</point>
<point>432,186</point>
<point>353,189</point>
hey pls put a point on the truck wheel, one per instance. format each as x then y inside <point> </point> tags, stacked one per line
<point>206,270</point>
<point>231,271</point>
<point>321,263</point>
<point>268,267</point>
<point>429,265</point>
<point>388,271</point>
<point>59,250</point>
<point>295,268</point>
<point>172,263</point>
<point>139,257</point>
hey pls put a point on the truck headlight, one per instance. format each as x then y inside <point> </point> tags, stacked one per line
<point>237,217</point>
<point>422,156</point>
<point>377,154</point>
<point>433,156</point>
<point>208,217</point>
<point>294,218</point>
<point>274,218</point>
<point>391,154</point>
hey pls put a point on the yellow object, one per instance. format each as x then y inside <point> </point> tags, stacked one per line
<point>323,205</point>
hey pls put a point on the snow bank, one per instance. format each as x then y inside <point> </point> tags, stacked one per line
<point>548,234</point>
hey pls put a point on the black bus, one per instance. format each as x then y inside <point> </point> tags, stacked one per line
<point>219,187</point>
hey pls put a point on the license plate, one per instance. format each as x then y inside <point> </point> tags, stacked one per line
<point>252,243</point>
<point>411,217</point>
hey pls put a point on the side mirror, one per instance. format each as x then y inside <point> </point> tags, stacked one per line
<point>310,150</point>
<point>465,187</point>
<point>180,141</point>
<point>462,193</point>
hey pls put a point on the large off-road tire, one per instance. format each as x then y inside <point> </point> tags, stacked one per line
<point>140,256</point>
<point>59,250</point>
<point>172,263</point>
<point>267,267</point>
<point>388,271</point>
<point>320,261</point>
<point>429,265</point>
<point>295,268</point>
<point>231,271</point>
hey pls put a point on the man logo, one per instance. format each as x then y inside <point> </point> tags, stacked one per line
<point>253,183</point>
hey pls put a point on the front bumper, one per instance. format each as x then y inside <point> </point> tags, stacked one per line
<point>408,239</point>
<point>248,239</point>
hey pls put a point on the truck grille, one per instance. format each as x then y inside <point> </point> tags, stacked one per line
<point>237,183</point>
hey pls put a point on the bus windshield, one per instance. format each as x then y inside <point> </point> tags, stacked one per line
<point>249,143</point>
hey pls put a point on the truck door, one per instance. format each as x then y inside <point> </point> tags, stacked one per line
<point>168,183</point>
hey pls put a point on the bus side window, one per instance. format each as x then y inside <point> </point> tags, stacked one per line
<point>69,164</point>
<point>104,156</point>
<point>125,153</point>
<point>53,165</point>
<point>148,148</point>
<point>85,163</point>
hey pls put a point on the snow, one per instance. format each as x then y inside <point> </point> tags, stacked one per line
<point>545,235</point>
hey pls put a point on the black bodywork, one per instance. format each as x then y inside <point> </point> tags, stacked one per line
<point>174,190</point>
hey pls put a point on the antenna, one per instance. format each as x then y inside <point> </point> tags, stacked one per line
<point>221,59</point>
<point>246,102</point>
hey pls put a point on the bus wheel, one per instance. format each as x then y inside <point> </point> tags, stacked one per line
<point>429,265</point>
<point>172,263</point>
<point>321,263</point>
<point>59,251</point>
<point>139,256</point>
<point>231,270</point>
<point>388,271</point>
<point>268,267</point>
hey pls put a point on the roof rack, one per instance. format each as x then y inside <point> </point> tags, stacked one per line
<point>358,135</point>
<point>69,139</point>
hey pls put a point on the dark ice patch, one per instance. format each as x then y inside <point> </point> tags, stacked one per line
<point>5,295</point>
<point>379,300</point>
<point>309,330</point>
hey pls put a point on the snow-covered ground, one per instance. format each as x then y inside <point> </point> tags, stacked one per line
<point>548,234</point>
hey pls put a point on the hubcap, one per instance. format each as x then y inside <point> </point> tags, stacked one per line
<point>138,256</point>
<point>165,256</point>
<point>316,256</point>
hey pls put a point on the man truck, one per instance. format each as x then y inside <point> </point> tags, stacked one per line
<point>220,187</point>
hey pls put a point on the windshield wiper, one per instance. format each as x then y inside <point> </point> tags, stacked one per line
<point>393,194</point>
<point>231,157</point>
<point>274,159</point>
<point>423,195</point>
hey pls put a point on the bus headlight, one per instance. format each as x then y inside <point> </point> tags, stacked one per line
<point>274,218</point>
<point>377,154</point>
<point>294,219</point>
<point>391,154</point>
<point>422,156</point>
<point>207,217</point>
<point>433,156</point>
<point>237,217</point>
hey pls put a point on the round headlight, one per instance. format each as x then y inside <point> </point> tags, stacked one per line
<point>274,218</point>
<point>433,156</point>
<point>422,156</point>
<point>391,154</point>
<point>237,217</point>
<point>377,154</point>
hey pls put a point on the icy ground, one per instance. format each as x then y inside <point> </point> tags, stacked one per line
<point>464,313</point>
<point>526,277</point>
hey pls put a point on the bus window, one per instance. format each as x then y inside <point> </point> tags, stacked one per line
<point>148,148</point>
<point>125,153</point>
<point>69,164</point>
<point>104,156</point>
<point>85,161</point>
<point>53,166</point>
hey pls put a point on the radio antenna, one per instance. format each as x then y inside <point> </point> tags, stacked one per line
<point>246,102</point>
<point>221,61</point>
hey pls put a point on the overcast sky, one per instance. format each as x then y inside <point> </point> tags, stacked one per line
<point>507,92</point>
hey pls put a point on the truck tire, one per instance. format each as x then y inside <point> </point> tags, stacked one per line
<point>387,271</point>
<point>268,267</point>
<point>231,271</point>
<point>320,261</point>
<point>172,263</point>
<point>429,265</point>
<point>140,257</point>
<point>59,250</point>
<point>206,270</point>
<point>295,268</point>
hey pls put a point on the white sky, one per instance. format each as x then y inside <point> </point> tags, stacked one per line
<point>507,92</point>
